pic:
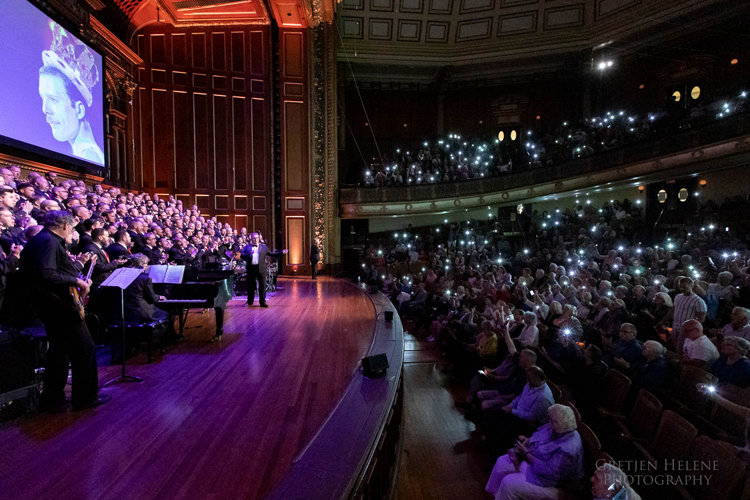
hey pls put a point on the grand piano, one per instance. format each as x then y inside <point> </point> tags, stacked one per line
<point>200,289</point>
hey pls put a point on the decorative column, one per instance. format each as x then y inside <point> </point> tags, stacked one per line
<point>325,222</point>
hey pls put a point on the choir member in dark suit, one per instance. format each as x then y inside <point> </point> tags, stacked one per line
<point>135,230</point>
<point>104,265</point>
<point>50,273</point>
<point>121,245</point>
<point>254,254</point>
<point>315,257</point>
<point>180,254</point>
<point>10,234</point>
<point>150,250</point>
<point>8,266</point>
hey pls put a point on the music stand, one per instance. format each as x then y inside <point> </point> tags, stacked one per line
<point>122,278</point>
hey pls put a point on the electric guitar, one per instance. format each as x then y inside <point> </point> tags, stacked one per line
<point>79,299</point>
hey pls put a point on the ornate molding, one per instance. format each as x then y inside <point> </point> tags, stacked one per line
<point>112,44</point>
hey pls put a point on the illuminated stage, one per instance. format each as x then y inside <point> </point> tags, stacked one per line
<point>221,420</point>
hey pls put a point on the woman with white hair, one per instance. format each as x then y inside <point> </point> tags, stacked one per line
<point>651,375</point>
<point>724,289</point>
<point>568,323</point>
<point>530,333</point>
<point>733,367</point>
<point>539,466</point>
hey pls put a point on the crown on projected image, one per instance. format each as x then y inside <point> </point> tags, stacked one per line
<point>74,59</point>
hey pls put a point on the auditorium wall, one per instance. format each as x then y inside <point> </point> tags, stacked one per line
<point>202,120</point>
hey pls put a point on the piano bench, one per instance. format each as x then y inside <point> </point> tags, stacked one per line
<point>143,332</point>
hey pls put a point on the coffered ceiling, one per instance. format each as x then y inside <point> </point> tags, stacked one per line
<point>475,36</point>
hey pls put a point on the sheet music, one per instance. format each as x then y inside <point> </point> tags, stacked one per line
<point>174,274</point>
<point>157,273</point>
<point>122,278</point>
<point>166,274</point>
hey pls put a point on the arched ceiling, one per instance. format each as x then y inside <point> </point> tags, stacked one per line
<point>125,17</point>
<point>412,40</point>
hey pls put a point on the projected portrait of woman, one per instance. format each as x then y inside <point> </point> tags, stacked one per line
<point>66,80</point>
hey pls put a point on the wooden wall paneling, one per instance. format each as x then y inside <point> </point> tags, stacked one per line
<point>260,159</point>
<point>260,224</point>
<point>186,200</point>
<point>199,127</point>
<point>240,221</point>
<point>294,144</point>
<point>184,165</point>
<point>158,47</point>
<point>179,49</point>
<point>146,122</point>
<point>295,241</point>
<point>202,140</point>
<point>218,51</point>
<point>199,49</point>
<point>240,137</point>
<point>295,161</point>
<point>257,52</point>
<point>238,51</point>
<point>221,141</point>
<point>163,145</point>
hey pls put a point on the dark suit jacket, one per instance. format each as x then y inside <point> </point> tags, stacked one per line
<point>84,240</point>
<point>38,215</point>
<point>102,268</point>
<point>314,253</point>
<point>139,301</point>
<point>179,256</point>
<point>150,253</point>
<point>138,241</point>
<point>115,250</point>
<point>10,236</point>
<point>247,256</point>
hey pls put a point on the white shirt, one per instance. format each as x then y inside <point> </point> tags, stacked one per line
<point>701,348</point>
<point>529,336</point>
<point>256,250</point>
<point>685,308</point>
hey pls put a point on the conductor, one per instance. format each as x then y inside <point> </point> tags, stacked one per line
<point>254,254</point>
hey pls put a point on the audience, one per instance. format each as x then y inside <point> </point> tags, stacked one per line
<point>537,466</point>
<point>454,159</point>
<point>579,294</point>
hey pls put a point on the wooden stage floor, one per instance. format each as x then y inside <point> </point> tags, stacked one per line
<point>210,421</point>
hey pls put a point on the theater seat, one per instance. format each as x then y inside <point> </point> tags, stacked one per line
<point>642,422</point>
<point>686,398</point>
<point>673,440</point>
<point>591,449</point>
<point>723,423</point>
<point>726,471</point>
<point>614,391</point>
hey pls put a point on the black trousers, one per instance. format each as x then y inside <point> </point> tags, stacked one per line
<point>255,280</point>
<point>314,264</point>
<point>70,344</point>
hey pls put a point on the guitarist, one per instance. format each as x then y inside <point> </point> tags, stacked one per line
<point>51,272</point>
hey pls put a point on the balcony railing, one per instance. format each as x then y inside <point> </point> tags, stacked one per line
<point>727,128</point>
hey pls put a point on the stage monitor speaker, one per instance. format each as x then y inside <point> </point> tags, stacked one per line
<point>373,365</point>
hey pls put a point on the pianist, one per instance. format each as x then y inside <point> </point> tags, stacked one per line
<point>140,298</point>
